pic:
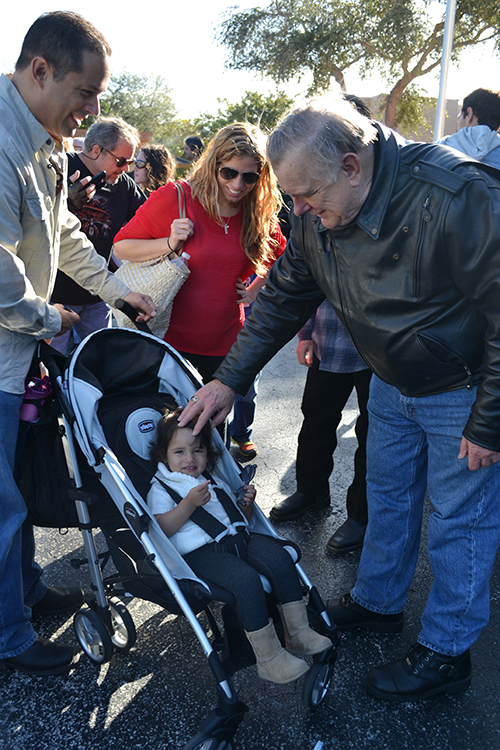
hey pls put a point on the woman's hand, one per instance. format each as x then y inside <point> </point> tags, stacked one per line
<point>180,231</point>
<point>248,294</point>
<point>241,290</point>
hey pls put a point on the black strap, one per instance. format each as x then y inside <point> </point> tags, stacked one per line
<point>205,520</point>
<point>233,512</point>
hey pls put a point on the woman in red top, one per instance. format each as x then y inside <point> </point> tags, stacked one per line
<point>230,231</point>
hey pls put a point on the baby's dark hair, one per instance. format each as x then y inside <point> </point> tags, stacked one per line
<point>166,429</point>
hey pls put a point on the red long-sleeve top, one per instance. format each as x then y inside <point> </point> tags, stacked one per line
<point>205,317</point>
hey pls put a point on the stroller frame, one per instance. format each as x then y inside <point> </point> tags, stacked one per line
<point>107,624</point>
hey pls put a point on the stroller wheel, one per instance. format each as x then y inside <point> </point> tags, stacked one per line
<point>204,742</point>
<point>316,684</point>
<point>124,635</point>
<point>93,636</point>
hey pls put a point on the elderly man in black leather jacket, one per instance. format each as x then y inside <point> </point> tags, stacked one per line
<point>404,241</point>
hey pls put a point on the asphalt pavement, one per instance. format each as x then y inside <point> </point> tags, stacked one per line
<point>156,695</point>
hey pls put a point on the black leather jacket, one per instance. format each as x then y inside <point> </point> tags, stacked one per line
<point>415,279</point>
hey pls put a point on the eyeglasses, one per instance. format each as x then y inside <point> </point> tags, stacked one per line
<point>120,160</point>
<point>139,164</point>
<point>228,174</point>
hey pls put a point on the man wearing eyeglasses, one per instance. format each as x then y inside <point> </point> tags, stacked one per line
<point>61,73</point>
<point>110,144</point>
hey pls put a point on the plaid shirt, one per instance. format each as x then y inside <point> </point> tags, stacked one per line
<point>332,344</point>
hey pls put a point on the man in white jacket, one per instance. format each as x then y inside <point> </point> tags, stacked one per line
<point>61,72</point>
<point>478,122</point>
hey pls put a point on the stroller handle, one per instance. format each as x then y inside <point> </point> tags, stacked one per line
<point>132,313</point>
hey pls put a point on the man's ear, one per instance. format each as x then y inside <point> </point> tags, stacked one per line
<point>351,165</point>
<point>469,117</point>
<point>40,70</point>
<point>96,151</point>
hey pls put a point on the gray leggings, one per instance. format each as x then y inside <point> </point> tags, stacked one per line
<point>241,577</point>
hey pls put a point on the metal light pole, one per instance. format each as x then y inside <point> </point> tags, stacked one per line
<point>449,26</point>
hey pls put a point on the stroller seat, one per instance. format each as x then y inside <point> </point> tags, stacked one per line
<point>116,384</point>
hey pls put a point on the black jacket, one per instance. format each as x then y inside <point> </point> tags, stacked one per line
<point>101,219</point>
<point>415,279</point>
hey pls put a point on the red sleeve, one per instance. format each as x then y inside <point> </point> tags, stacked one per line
<point>154,218</point>
<point>278,244</point>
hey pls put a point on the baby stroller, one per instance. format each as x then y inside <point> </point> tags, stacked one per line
<point>111,394</point>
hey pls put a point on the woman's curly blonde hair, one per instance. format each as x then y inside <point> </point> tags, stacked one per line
<point>259,207</point>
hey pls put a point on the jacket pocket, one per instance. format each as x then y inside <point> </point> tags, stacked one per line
<point>443,355</point>
<point>425,217</point>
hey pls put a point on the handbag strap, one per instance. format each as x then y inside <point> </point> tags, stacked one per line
<point>181,202</point>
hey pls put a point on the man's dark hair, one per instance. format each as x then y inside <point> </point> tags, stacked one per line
<point>61,38</point>
<point>195,144</point>
<point>486,106</point>
<point>360,105</point>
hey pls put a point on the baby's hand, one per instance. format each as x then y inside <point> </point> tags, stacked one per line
<point>249,496</point>
<point>199,496</point>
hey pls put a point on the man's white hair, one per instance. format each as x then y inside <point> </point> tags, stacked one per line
<point>319,136</point>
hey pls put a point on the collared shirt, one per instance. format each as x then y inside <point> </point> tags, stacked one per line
<point>331,342</point>
<point>37,233</point>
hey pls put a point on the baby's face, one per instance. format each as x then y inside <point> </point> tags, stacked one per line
<point>186,454</point>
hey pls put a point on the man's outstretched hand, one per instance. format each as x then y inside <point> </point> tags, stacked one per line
<point>214,400</point>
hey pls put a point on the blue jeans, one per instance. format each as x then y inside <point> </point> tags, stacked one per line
<point>92,318</point>
<point>240,428</point>
<point>20,583</point>
<point>413,444</point>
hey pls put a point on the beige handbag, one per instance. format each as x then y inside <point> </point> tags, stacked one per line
<point>159,278</point>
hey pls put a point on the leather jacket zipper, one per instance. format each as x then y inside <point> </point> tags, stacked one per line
<point>425,217</point>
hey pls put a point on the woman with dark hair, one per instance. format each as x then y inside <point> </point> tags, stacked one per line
<point>154,166</point>
<point>230,231</point>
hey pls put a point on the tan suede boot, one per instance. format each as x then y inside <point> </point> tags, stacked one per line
<point>273,662</point>
<point>300,639</point>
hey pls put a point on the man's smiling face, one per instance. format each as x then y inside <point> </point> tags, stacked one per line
<point>67,102</point>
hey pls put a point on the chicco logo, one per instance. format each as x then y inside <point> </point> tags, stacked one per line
<point>146,426</point>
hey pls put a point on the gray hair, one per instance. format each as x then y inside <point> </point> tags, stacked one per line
<point>107,131</point>
<point>322,136</point>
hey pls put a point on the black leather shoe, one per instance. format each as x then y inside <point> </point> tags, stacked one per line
<point>43,658</point>
<point>59,599</point>
<point>348,537</point>
<point>297,504</point>
<point>422,673</point>
<point>347,615</point>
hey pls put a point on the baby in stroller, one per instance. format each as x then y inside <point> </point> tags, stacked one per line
<point>186,501</point>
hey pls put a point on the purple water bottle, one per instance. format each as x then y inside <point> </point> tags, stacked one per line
<point>37,390</point>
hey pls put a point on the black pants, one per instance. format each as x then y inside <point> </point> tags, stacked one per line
<point>241,577</point>
<point>325,396</point>
<point>206,366</point>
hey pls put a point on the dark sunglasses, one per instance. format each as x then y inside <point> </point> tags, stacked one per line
<point>228,174</point>
<point>139,164</point>
<point>120,160</point>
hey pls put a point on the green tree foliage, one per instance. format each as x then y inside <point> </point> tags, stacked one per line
<point>401,38</point>
<point>259,109</point>
<point>143,101</point>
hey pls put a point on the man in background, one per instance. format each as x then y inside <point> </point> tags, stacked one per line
<point>110,145</point>
<point>478,123</point>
